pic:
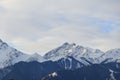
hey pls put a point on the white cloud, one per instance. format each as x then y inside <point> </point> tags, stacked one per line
<point>40,25</point>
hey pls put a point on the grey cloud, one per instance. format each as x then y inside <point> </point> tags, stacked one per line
<point>41,25</point>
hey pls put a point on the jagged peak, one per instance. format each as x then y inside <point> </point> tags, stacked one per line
<point>66,43</point>
<point>3,45</point>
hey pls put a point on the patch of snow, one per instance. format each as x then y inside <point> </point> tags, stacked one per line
<point>112,74</point>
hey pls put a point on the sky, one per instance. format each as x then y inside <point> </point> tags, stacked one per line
<point>41,25</point>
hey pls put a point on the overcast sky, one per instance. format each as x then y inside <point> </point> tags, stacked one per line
<point>41,25</point>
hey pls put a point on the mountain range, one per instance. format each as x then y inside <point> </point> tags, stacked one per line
<point>67,59</point>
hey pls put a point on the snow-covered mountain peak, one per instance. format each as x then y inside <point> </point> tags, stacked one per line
<point>112,55</point>
<point>8,55</point>
<point>3,45</point>
<point>68,45</point>
<point>76,51</point>
<point>61,51</point>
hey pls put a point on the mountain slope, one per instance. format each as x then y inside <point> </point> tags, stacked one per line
<point>31,70</point>
<point>69,63</point>
<point>94,72</point>
<point>53,71</point>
